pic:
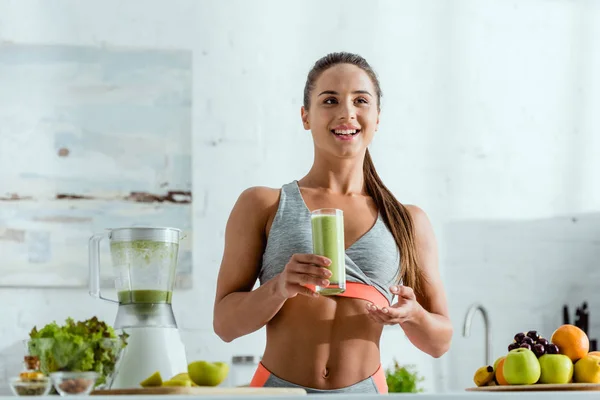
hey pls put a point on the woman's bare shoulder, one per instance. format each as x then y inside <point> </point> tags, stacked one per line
<point>260,198</point>
<point>421,223</point>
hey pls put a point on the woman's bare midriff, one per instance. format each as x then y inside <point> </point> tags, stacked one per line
<point>322,343</point>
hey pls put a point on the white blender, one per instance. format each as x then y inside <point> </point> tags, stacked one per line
<point>144,261</point>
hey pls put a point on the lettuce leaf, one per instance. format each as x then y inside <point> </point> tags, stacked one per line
<point>89,345</point>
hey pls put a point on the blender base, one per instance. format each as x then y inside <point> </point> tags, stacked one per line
<point>149,349</point>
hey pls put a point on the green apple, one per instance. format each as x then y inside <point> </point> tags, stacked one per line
<point>153,380</point>
<point>521,367</point>
<point>556,368</point>
<point>205,373</point>
<point>177,382</point>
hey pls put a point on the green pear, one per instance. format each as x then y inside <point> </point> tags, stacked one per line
<point>205,373</point>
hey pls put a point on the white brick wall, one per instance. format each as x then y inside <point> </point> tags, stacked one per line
<point>488,115</point>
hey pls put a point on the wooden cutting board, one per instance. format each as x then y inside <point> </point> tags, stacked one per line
<point>201,391</point>
<point>536,387</point>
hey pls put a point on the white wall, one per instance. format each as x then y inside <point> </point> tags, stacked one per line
<point>487,115</point>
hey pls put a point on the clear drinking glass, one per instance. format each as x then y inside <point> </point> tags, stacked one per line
<point>328,241</point>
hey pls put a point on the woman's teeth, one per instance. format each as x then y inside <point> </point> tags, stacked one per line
<point>345,131</point>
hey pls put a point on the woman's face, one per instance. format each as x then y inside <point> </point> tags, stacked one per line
<point>343,114</point>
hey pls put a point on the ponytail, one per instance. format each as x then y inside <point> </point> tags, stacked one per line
<point>399,221</point>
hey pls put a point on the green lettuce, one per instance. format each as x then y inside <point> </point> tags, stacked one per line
<point>89,345</point>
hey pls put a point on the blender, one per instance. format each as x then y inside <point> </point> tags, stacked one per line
<point>144,260</point>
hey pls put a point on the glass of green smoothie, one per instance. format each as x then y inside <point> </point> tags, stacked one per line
<point>328,241</point>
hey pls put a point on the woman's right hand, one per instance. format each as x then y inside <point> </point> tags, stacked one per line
<point>302,270</point>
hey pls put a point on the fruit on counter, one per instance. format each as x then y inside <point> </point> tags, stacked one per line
<point>587,370</point>
<point>555,368</point>
<point>205,373</point>
<point>155,380</point>
<point>543,341</point>
<point>532,340</point>
<point>528,340</point>
<point>483,375</point>
<point>571,341</point>
<point>177,382</point>
<point>152,381</point>
<point>521,367</point>
<point>539,350</point>
<point>498,362</point>
<point>183,376</point>
<point>499,373</point>
<point>562,359</point>
<point>552,349</point>
<point>519,337</point>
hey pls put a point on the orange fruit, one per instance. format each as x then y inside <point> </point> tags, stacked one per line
<point>500,373</point>
<point>594,353</point>
<point>571,341</point>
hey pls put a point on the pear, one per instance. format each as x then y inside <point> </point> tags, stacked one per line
<point>205,373</point>
<point>153,380</point>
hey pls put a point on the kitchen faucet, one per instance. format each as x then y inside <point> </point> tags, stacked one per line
<point>488,333</point>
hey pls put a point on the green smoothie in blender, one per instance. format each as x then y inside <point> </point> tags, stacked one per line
<point>145,296</point>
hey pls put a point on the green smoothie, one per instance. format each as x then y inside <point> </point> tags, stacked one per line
<point>328,241</point>
<point>145,296</point>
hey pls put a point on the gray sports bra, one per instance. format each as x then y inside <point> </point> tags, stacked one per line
<point>372,260</point>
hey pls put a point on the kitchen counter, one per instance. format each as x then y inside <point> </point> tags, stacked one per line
<point>545,395</point>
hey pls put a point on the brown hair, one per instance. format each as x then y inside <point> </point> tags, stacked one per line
<point>394,214</point>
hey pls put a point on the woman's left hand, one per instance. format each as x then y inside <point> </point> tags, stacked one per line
<point>405,309</point>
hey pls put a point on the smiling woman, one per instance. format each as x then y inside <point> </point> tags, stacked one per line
<point>390,253</point>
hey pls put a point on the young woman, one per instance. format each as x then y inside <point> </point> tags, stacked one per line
<point>331,343</point>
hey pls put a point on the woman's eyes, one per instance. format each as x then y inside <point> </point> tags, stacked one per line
<point>333,100</point>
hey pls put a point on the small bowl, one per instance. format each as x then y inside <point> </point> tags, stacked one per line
<point>30,388</point>
<point>74,383</point>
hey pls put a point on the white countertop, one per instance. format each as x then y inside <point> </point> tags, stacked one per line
<point>542,395</point>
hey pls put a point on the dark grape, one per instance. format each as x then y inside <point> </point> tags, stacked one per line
<point>552,349</point>
<point>525,346</point>
<point>519,337</point>
<point>543,341</point>
<point>533,334</point>
<point>539,350</point>
<point>527,340</point>
<point>513,346</point>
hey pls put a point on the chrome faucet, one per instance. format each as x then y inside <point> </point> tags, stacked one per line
<point>488,333</point>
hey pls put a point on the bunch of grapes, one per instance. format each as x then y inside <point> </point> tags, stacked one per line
<point>534,342</point>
